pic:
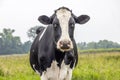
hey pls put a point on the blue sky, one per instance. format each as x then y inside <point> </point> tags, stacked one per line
<point>104,24</point>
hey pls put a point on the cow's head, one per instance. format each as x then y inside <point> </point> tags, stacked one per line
<point>63,21</point>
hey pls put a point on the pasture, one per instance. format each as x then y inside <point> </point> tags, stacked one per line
<point>102,66</point>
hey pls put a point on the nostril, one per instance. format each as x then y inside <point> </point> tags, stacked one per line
<point>68,43</point>
<point>61,43</point>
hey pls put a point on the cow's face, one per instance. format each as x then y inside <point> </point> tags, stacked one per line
<point>63,21</point>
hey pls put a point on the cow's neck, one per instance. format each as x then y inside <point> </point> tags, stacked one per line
<point>59,56</point>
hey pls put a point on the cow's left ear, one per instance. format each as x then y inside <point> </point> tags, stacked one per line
<point>44,19</point>
<point>82,19</point>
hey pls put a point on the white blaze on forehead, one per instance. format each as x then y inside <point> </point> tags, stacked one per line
<point>63,16</point>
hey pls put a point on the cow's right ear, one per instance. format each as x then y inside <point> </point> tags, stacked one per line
<point>82,19</point>
<point>44,19</point>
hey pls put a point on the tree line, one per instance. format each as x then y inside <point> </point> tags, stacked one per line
<point>102,44</point>
<point>10,44</point>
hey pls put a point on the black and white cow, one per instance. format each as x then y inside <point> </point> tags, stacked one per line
<point>53,53</point>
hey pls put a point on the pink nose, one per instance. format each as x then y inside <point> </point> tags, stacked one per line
<point>64,44</point>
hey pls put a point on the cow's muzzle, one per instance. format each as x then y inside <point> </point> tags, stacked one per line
<point>64,45</point>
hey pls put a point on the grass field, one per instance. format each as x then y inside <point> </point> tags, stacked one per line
<point>102,66</point>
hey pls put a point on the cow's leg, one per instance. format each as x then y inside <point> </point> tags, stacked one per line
<point>69,74</point>
<point>63,71</point>
<point>63,74</point>
<point>51,73</point>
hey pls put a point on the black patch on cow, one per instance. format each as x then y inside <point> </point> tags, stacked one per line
<point>71,28</point>
<point>57,29</point>
<point>46,49</point>
<point>59,56</point>
<point>63,8</point>
<point>34,54</point>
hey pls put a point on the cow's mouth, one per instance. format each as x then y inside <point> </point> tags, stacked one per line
<point>65,50</point>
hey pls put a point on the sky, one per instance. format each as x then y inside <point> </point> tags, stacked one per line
<point>21,15</point>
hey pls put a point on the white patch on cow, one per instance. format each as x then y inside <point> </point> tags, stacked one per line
<point>51,73</point>
<point>56,73</point>
<point>69,74</point>
<point>42,34</point>
<point>63,16</point>
<point>65,72</point>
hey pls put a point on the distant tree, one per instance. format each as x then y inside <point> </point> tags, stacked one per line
<point>82,45</point>
<point>32,32</point>
<point>26,46</point>
<point>10,44</point>
<point>108,44</point>
<point>101,44</point>
<point>92,45</point>
<point>6,40</point>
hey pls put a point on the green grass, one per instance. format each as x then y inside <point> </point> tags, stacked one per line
<point>16,68</point>
<point>98,67</point>
<point>104,66</point>
<point>100,50</point>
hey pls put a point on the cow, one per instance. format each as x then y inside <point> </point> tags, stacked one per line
<point>53,54</point>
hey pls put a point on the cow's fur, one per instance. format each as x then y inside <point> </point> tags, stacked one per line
<point>53,53</point>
